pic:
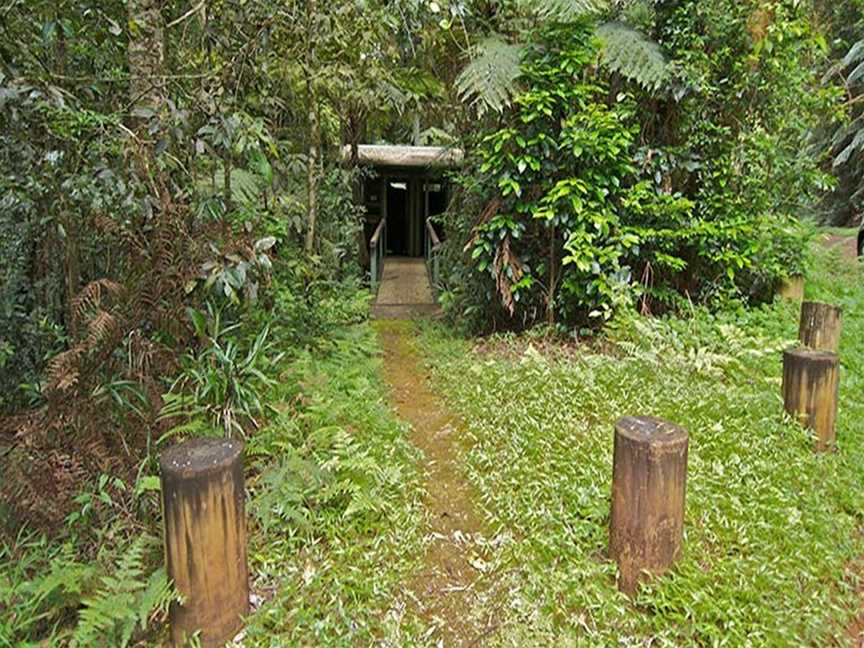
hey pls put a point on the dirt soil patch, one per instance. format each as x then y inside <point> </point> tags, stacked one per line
<point>451,594</point>
<point>845,245</point>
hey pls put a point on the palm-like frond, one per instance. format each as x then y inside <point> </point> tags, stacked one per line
<point>853,138</point>
<point>846,142</point>
<point>855,57</point>
<point>490,80</point>
<point>631,54</point>
<point>563,10</point>
<point>849,140</point>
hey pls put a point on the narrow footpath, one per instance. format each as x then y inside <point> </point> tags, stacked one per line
<point>450,594</point>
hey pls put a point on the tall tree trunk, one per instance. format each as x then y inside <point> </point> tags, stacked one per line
<point>314,129</point>
<point>71,268</point>
<point>228,191</point>
<point>313,162</point>
<point>146,53</point>
<point>354,129</point>
<point>60,49</point>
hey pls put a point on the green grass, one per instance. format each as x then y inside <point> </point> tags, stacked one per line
<point>771,528</point>
<point>839,231</point>
<point>336,508</point>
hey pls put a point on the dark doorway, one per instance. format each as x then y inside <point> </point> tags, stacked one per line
<point>398,230</point>
<point>437,198</point>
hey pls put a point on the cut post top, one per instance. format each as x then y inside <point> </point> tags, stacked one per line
<point>198,457</point>
<point>822,305</point>
<point>650,429</point>
<point>812,356</point>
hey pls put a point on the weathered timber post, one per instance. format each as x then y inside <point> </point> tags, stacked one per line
<point>810,383</point>
<point>792,288</point>
<point>649,480</point>
<point>205,539</point>
<point>820,326</point>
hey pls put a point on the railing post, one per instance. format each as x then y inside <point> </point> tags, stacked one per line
<point>374,269</point>
<point>433,243</point>
<point>378,245</point>
<point>205,539</point>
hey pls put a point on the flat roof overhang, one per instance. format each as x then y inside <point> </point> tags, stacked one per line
<point>407,157</point>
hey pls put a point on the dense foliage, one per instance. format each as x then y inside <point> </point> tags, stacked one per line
<point>699,181</point>
<point>178,227</point>
<point>569,223</point>
<point>844,22</point>
<point>183,253</point>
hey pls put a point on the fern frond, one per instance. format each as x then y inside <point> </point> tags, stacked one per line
<point>64,370</point>
<point>246,186</point>
<point>101,328</point>
<point>92,296</point>
<point>631,54</point>
<point>156,598</point>
<point>124,601</point>
<point>563,10</point>
<point>489,81</point>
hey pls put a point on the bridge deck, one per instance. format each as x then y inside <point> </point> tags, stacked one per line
<point>405,291</point>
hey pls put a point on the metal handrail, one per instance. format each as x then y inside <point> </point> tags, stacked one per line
<point>377,250</point>
<point>433,254</point>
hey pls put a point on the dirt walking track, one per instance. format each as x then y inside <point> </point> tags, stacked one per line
<point>449,592</point>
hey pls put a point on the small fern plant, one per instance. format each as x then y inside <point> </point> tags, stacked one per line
<point>125,601</point>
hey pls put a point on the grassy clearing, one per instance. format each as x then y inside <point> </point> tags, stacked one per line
<point>771,528</point>
<point>839,231</point>
<point>336,504</point>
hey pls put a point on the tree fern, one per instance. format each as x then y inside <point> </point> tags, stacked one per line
<point>489,80</point>
<point>563,10</point>
<point>632,55</point>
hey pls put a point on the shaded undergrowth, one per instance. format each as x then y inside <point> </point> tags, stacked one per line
<point>336,504</point>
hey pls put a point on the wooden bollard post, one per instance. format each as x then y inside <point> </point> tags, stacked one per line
<point>205,539</point>
<point>810,383</point>
<point>649,480</point>
<point>820,326</point>
<point>792,288</point>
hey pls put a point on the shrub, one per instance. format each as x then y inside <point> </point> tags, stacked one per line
<point>587,204</point>
<point>223,383</point>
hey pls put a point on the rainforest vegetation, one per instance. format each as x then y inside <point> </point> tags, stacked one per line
<point>184,253</point>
